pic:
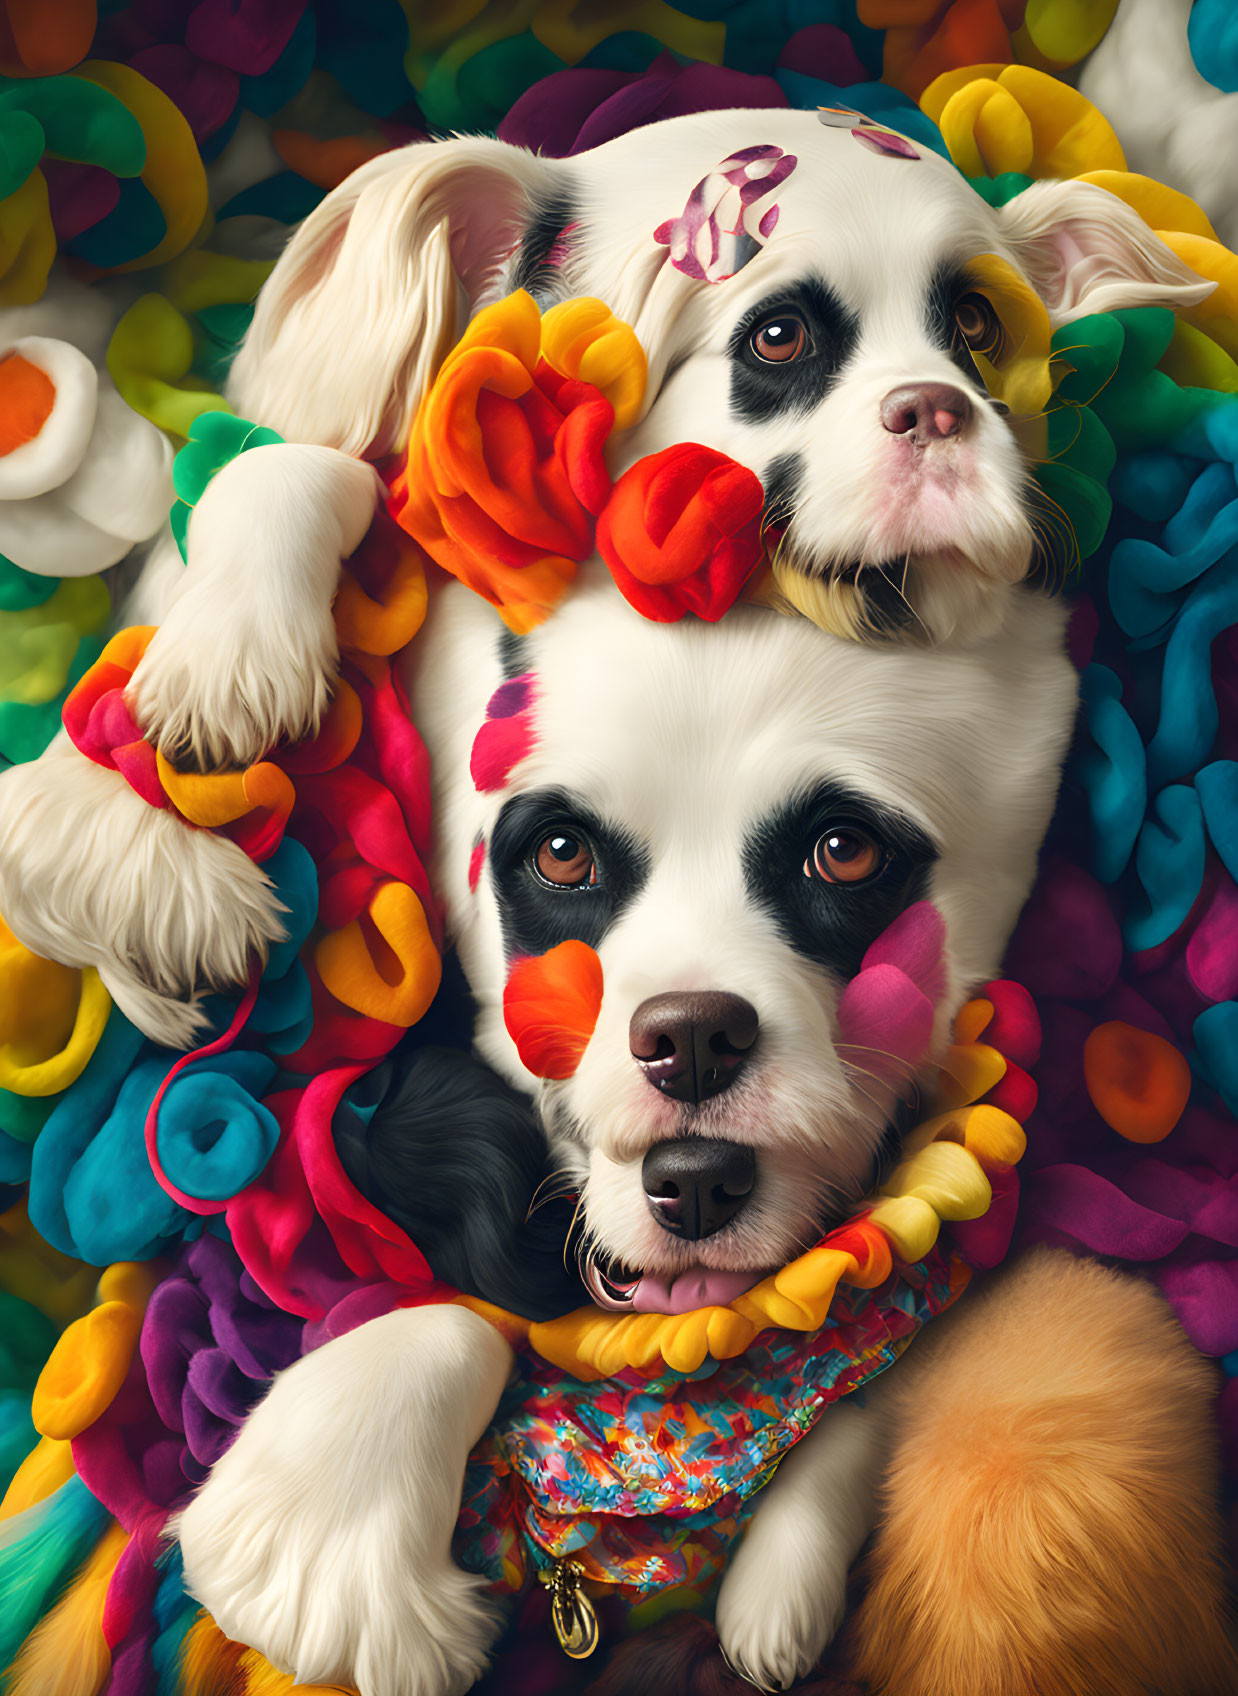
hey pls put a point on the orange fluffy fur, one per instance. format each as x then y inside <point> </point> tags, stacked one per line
<point>1050,1523</point>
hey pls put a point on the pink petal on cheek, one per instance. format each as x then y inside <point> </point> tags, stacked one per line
<point>916,944</point>
<point>500,744</point>
<point>477,860</point>
<point>886,1019</point>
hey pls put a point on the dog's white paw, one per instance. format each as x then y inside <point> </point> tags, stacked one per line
<point>246,653</point>
<point>220,687</point>
<point>322,1538</point>
<point>90,875</point>
<point>782,1599</point>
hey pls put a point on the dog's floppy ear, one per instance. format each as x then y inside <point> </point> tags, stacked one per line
<point>1084,250</point>
<point>363,304</point>
<point>457,1158</point>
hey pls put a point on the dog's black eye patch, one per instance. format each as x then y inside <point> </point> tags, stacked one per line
<point>762,389</point>
<point>835,923</point>
<point>949,285</point>
<point>537,915</point>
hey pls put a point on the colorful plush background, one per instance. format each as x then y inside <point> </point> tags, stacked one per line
<point>159,151</point>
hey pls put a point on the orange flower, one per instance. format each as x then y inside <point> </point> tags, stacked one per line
<point>505,473</point>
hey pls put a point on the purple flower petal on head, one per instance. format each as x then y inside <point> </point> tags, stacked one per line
<point>885,141</point>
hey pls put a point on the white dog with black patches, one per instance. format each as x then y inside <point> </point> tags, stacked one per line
<point>820,331</point>
<point>689,791</point>
<point>729,815</point>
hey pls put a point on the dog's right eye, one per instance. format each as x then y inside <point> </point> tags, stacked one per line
<point>566,861</point>
<point>779,340</point>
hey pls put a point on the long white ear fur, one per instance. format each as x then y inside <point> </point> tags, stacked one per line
<point>1084,251</point>
<point>365,300</point>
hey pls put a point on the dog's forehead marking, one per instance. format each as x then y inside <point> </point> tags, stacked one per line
<point>728,216</point>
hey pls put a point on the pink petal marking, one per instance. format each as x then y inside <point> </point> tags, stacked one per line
<point>728,217</point>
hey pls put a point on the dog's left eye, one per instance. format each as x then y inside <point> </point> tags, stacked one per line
<point>565,860</point>
<point>978,323</point>
<point>845,854</point>
<point>779,340</point>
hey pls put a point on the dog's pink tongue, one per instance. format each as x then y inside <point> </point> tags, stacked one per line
<point>698,1287</point>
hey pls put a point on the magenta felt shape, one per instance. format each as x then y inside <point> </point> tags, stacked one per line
<point>500,744</point>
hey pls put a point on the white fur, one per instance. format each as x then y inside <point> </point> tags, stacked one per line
<point>785,1590</point>
<point>90,875</point>
<point>322,1538</point>
<point>375,286</point>
<point>685,736</point>
<point>244,658</point>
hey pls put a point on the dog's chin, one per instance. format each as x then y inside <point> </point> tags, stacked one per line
<point>927,596</point>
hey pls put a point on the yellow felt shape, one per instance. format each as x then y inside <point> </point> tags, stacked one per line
<point>910,1223</point>
<point>583,339</point>
<point>1064,31</point>
<point>48,1465</point>
<point>969,1071</point>
<point>51,1019</point>
<point>211,799</point>
<point>993,1136</point>
<point>150,352</point>
<point>1195,361</point>
<point>1014,118</point>
<point>85,1370</point>
<point>1161,207</point>
<point>1015,369</point>
<point>27,242</point>
<point>1217,316</point>
<point>384,964</point>
<point>174,172</point>
<point>947,1177</point>
<point>38,1274</point>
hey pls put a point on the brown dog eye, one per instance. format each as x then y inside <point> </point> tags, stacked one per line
<point>565,860</point>
<point>844,855</point>
<point>779,340</point>
<point>977,323</point>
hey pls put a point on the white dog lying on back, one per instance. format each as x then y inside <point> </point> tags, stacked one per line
<point>803,292</point>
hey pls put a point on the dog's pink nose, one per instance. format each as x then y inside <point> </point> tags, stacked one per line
<point>927,411</point>
<point>690,1046</point>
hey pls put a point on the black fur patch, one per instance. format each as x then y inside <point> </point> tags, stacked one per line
<point>835,924</point>
<point>455,1156</point>
<point>782,481</point>
<point>761,390</point>
<point>533,270</point>
<point>537,916</point>
<point>948,284</point>
<point>513,651</point>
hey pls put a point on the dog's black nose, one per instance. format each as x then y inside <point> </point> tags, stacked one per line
<point>696,1185</point>
<point>926,411</point>
<point>691,1045</point>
